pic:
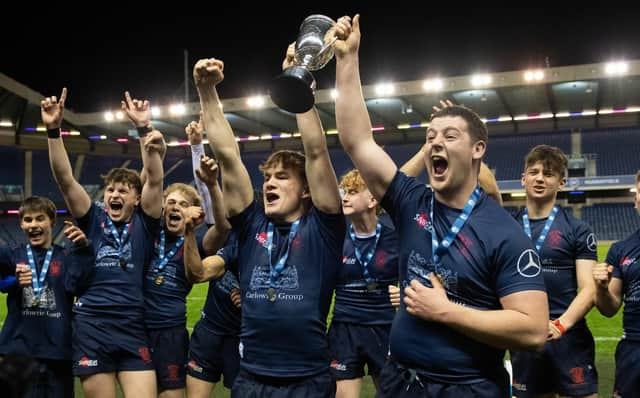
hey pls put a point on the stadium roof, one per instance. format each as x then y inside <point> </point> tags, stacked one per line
<point>583,96</point>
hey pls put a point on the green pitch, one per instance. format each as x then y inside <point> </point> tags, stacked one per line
<point>607,332</point>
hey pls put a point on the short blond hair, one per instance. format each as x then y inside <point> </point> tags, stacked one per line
<point>352,180</point>
<point>188,191</point>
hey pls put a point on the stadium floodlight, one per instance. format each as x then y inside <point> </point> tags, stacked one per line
<point>287,135</point>
<point>119,115</point>
<point>257,101</point>
<point>616,68</point>
<point>533,75</point>
<point>518,194</point>
<point>6,123</point>
<point>334,93</point>
<point>385,89</point>
<point>108,116</point>
<point>155,111</point>
<point>432,85</point>
<point>481,80</point>
<point>177,109</point>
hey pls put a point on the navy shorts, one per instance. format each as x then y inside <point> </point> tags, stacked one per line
<point>212,356</point>
<point>169,353</point>
<point>248,385</point>
<point>104,345</point>
<point>54,379</point>
<point>565,366</point>
<point>397,381</point>
<point>353,346</point>
<point>627,381</point>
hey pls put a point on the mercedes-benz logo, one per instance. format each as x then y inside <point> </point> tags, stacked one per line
<point>529,264</point>
<point>592,244</point>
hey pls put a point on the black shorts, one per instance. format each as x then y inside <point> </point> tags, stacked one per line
<point>565,366</point>
<point>353,346</point>
<point>627,381</point>
<point>212,356</point>
<point>169,353</point>
<point>248,385</point>
<point>397,381</point>
<point>104,345</point>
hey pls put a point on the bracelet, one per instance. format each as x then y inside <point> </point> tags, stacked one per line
<point>142,131</point>
<point>560,327</point>
<point>53,133</point>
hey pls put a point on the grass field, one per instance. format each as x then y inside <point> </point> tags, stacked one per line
<point>607,332</point>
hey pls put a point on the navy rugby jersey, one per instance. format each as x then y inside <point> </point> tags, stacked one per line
<point>624,256</point>
<point>354,303</point>
<point>115,286</point>
<point>219,314</point>
<point>42,327</point>
<point>490,258</point>
<point>287,337</point>
<point>568,240</point>
<point>166,290</point>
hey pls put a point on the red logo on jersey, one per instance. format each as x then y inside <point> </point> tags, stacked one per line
<point>626,261</point>
<point>344,259</point>
<point>466,244</point>
<point>261,237</point>
<point>555,238</point>
<point>172,372</point>
<point>54,268</point>
<point>421,219</point>
<point>145,354</point>
<point>194,366</point>
<point>577,375</point>
<point>296,242</point>
<point>380,259</point>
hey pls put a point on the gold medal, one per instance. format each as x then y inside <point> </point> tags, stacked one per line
<point>159,280</point>
<point>271,294</point>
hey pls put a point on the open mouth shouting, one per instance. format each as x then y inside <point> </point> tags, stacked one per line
<point>174,219</point>
<point>35,236</point>
<point>439,166</point>
<point>271,198</point>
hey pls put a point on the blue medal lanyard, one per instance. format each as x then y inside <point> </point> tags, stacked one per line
<point>275,271</point>
<point>120,240</point>
<point>37,281</point>
<point>367,259</point>
<point>162,259</point>
<point>438,249</point>
<point>545,230</point>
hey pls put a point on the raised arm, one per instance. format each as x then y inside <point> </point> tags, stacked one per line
<point>152,148</point>
<point>608,297</point>
<point>217,234</point>
<point>196,269</point>
<point>323,184</point>
<point>488,182</point>
<point>76,198</point>
<point>236,183</point>
<point>414,166</point>
<point>194,131</point>
<point>352,117</point>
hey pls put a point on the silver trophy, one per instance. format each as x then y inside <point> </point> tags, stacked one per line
<point>293,89</point>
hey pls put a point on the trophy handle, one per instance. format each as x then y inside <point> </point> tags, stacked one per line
<point>326,46</point>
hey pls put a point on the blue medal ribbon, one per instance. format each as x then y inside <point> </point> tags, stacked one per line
<point>438,249</point>
<point>120,240</point>
<point>162,259</point>
<point>367,259</point>
<point>545,230</point>
<point>37,281</point>
<point>275,271</point>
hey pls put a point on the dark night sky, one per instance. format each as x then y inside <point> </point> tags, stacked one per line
<point>97,58</point>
